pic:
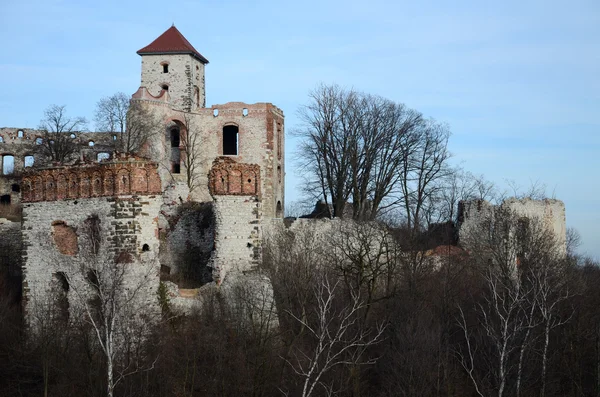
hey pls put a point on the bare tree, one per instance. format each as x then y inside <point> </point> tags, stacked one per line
<point>111,113</point>
<point>336,339</point>
<point>111,301</point>
<point>191,143</point>
<point>141,126</point>
<point>423,172</point>
<point>354,146</point>
<point>58,143</point>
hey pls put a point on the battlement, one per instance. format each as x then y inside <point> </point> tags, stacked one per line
<point>135,176</point>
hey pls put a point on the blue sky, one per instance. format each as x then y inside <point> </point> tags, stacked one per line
<point>517,81</point>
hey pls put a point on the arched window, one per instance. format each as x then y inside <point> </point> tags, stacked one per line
<point>91,143</point>
<point>8,164</point>
<point>73,136</point>
<point>175,151</point>
<point>20,133</point>
<point>103,156</point>
<point>230,140</point>
<point>165,68</point>
<point>165,87</point>
<point>279,210</point>
<point>28,161</point>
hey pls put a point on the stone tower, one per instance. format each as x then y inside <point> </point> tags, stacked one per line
<point>172,67</point>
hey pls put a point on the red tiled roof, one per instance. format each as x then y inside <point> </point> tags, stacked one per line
<point>172,42</point>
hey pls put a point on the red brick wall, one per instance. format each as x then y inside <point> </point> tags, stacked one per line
<point>98,180</point>
<point>230,178</point>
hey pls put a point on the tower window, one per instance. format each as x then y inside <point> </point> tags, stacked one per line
<point>28,161</point>
<point>175,151</point>
<point>20,133</point>
<point>175,139</point>
<point>91,143</point>
<point>165,87</point>
<point>165,68</point>
<point>230,140</point>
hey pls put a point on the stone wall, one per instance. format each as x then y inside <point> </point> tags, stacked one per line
<point>238,235</point>
<point>185,79</point>
<point>473,215</point>
<point>186,244</point>
<point>102,215</point>
<point>56,242</point>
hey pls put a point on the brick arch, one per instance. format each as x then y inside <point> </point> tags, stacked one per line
<point>249,182</point>
<point>61,187</point>
<point>140,180</point>
<point>123,182</point>
<point>221,182</point>
<point>26,190</point>
<point>96,182</point>
<point>109,183</point>
<point>38,188</point>
<point>50,188</point>
<point>235,181</point>
<point>73,188</point>
<point>85,185</point>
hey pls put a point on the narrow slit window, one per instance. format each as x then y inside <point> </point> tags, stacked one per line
<point>165,68</point>
<point>230,140</point>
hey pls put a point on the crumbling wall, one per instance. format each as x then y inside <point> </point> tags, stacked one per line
<point>11,246</point>
<point>475,214</point>
<point>59,206</point>
<point>187,244</point>
<point>238,235</point>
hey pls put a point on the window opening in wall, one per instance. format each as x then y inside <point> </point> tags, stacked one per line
<point>103,156</point>
<point>15,187</point>
<point>91,143</point>
<point>28,161</point>
<point>1,139</point>
<point>73,136</point>
<point>175,138</point>
<point>279,210</point>
<point>145,248</point>
<point>5,200</point>
<point>165,87</point>
<point>230,140</point>
<point>176,168</point>
<point>20,133</point>
<point>114,137</point>
<point>216,112</point>
<point>8,164</point>
<point>38,141</point>
<point>165,68</point>
<point>244,112</point>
